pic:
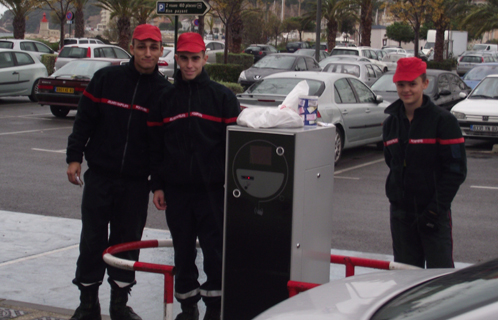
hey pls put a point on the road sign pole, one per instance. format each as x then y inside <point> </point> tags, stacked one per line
<point>176,37</point>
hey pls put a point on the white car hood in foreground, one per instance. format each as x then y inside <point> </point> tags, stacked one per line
<point>353,298</point>
<point>485,107</point>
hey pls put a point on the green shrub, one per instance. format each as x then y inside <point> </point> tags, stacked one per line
<point>244,59</point>
<point>224,72</point>
<point>49,61</point>
<point>234,87</point>
<point>447,64</point>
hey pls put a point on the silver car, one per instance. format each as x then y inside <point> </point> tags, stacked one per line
<point>343,100</point>
<point>470,60</point>
<point>166,62</point>
<point>80,51</point>
<point>341,57</point>
<point>365,71</point>
<point>469,293</point>
<point>20,72</point>
<point>212,48</point>
<point>36,48</point>
<point>391,59</point>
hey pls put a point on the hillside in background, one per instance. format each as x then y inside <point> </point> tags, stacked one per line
<point>92,17</point>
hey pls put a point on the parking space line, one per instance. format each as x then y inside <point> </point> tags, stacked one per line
<point>484,187</point>
<point>30,131</point>
<point>38,255</point>
<point>29,116</point>
<point>346,178</point>
<point>47,150</point>
<point>358,166</point>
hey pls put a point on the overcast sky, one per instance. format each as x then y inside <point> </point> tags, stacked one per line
<point>2,9</point>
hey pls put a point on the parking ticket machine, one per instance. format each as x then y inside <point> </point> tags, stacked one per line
<point>278,214</point>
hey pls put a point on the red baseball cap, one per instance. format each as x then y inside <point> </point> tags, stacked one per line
<point>147,31</point>
<point>409,69</point>
<point>190,42</point>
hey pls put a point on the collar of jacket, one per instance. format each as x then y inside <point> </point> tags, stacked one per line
<point>201,79</point>
<point>397,106</point>
<point>131,67</point>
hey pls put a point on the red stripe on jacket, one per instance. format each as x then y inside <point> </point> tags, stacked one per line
<point>200,115</point>
<point>114,103</point>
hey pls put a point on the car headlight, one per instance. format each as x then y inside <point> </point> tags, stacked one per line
<point>242,76</point>
<point>459,115</point>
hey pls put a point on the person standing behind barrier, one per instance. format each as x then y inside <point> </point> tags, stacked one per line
<point>425,152</point>
<point>110,129</point>
<point>188,135</point>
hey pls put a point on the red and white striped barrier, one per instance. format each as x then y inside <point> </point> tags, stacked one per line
<point>295,287</point>
<point>168,271</point>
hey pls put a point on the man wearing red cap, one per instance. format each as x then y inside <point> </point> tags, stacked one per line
<point>425,152</point>
<point>110,130</point>
<point>188,173</point>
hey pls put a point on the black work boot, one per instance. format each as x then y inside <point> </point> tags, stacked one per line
<point>119,297</point>
<point>189,312</point>
<point>213,312</point>
<point>89,308</point>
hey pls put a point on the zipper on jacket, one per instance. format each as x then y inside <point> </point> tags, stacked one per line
<point>190,143</point>
<point>129,124</point>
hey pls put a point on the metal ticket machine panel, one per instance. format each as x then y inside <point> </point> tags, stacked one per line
<point>278,211</point>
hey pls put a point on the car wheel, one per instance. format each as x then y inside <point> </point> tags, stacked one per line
<point>34,91</point>
<point>59,112</point>
<point>385,70</point>
<point>339,144</point>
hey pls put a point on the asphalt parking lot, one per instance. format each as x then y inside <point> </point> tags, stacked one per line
<point>33,180</point>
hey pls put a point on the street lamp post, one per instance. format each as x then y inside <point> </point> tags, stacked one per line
<point>318,28</point>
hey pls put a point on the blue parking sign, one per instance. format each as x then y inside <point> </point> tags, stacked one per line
<point>161,7</point>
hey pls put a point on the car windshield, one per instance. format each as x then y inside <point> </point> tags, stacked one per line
<point>166,51</point>
<point>480,72</point>
<point>343,68</point>
<point>478,47</point>
<point>487,89</point>
<point>73,52</point>
<point>385,83</point>
<point>275,62</point>
<point>283,86</point>
<point>345,51</point>
<point>447,296</point>
<point>80,69</point>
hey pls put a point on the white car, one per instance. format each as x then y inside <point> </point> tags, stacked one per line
<point>366,52</point>
<point>80,51</point>
<point>212,48</point>
<point>467,294</point>
<point>343,100</point>
<point>37,48</point>
<point>20,72</point>
<point>391,59</point>
<point>478,114</point>
<point>166,62</point>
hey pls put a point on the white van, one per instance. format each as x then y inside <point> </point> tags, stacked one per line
<point>485,47</point>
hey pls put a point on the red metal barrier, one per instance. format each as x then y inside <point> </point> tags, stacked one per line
<point>166,270</point>
<point>295,287</point>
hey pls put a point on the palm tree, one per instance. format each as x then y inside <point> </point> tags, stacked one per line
<point>482,18</point>
<point>20,9</point>
<point>79,18</point>
<point>145,11</point>
<point>123,10</point>
<point>334,11</point>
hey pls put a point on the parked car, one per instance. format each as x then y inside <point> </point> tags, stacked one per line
<point>479,72</point>
<point>323,46</point>
<point>68,41</point>
<point>380,53</point>
<point>274,63</point>
<point>366,52</point>
<point>365,71</point>
<point>394,50</point>
<point>212,48</point>
<point>445,88</point>
<point>470,60</point>
<point>260,50</point>
<point>391,59</point>
<point>311,53</point>
<point>166,62</point>
<point>294,46</point>
<point>20,72</point>
<point>37,48</point>
<point>468,293</point>
<point>478,114</point>
<point>63,89</point>
<point>71,52</point>
<point>341,57</point>
<point>343,100</point>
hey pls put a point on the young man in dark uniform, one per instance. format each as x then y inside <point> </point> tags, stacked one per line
<point>111,131</point>
<point>425,152</point>
<point>188,136</point>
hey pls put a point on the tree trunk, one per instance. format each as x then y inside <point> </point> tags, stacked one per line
<point>124,33</point>
<point>79,22</point>
<point>62,22</point>
<point>439,46</point>
<point>236,28</point>
<point>201,26</point>
<point>366,22</point>
<point>19,25</point>
<point>332,32</point>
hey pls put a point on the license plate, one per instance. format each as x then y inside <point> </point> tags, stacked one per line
<point>64,90</point>
<point>484,128</point>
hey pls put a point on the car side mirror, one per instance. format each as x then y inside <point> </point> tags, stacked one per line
<point>445,92</point>
<point>379,98</point>
<point>462,95</point>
